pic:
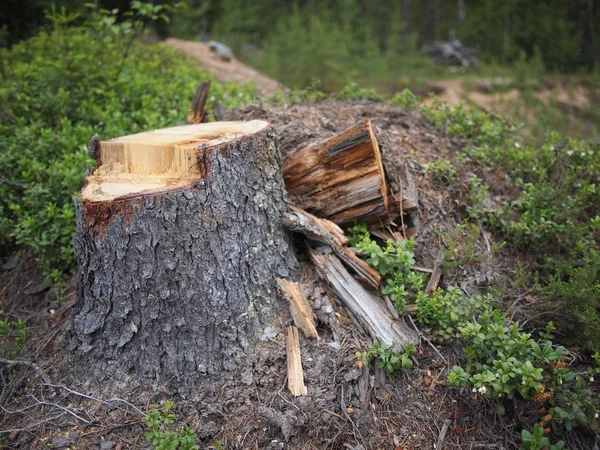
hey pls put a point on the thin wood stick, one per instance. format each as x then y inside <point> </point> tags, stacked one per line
<point>294,363</point>
<point>436,274</point>
<point>197,111</point>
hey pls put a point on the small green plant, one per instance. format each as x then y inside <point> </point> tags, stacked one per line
<point>158,422</point>
<point>394,262</point>
<point>354,92</point>
<point>442,170</point>
<point>405,99</point>
<point>12,337</point>
<point>387,358</point>
<point>537,440</point>
<point>460,246</point>
<point>309,94</point>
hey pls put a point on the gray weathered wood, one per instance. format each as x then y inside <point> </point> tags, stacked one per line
<point>362,303</point>
<point>326,232</point>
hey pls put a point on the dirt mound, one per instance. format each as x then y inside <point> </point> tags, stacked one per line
<point>232,70</point>
<point>346,406</point>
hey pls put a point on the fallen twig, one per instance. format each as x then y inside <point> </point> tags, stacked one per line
<point>19,362</point>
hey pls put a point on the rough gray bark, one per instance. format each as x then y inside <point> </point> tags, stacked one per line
<point>177,286</point>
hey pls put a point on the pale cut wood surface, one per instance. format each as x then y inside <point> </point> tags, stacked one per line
<point>156,160</point>
<point>294,363</point>
<point>364,305</point>
<point>301,311</point>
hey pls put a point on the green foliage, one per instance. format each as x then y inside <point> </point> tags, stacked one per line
<point>66,84</point>
<point>12,337</point>
<point>577,287</point>
<point>442,170</point>
<point>387,358</point>
<point>537,440</point>
<point>158,422</point>
<point>554,216</point>
<point>394,262</point>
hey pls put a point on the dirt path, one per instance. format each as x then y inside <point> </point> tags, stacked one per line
<point>233,70</point>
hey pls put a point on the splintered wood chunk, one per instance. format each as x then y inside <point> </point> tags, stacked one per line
<point>198,110</point>
<point>325,224</point>
<point>294,363</point>
<point>362,303</point>
<point>340,179</point>
<point>300,309</point>
<point>326,232</point>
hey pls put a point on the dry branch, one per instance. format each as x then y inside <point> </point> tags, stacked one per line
<point>340,179</point>
<point>300,309</point>
<point>364,305</point>
<point>294,363</point>
<point>326,232</point>
<point>436,274</point>
<point>197,112</point>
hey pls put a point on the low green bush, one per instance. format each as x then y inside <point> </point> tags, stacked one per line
<point>60,88</point>
<point>158,423</point>
<point>502,361</point>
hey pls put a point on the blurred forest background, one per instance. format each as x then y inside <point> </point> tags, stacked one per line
<point>369,42</point>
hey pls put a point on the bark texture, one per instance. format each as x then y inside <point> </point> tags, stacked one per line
<point>178,285</point>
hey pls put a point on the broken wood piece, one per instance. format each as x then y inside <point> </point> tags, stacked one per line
<point>294,362</point>
<point>301,311</point>
<point>362,303</point>
<point>340,179</point>
<point>436,275</point>
<point>316,229</point>
<point>197,111</point>
<point>326,232</point>
<point>408,190</point>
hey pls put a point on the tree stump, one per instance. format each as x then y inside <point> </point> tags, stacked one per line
<point>179,241</point>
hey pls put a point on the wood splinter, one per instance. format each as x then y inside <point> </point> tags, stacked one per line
<point>197,112</point>
<point>294,363</point>
<point>300,309</point>
<point>363,305</point>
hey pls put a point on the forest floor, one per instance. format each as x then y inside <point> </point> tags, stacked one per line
<point>45,408</point>
<point>346,406</point>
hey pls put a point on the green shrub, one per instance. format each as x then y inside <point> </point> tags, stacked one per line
<point>394,262</point>
<point>158,433</point>
<point>64,85</point>
<point>12,337</point>
<point>577,289</point>
<point>387,358</point>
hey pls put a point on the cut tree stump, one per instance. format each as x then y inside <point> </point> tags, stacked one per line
<point>179,240</point>
<point>340,179</point>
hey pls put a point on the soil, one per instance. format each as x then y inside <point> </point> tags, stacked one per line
<point>346,406</point>
<point>231,70</point>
